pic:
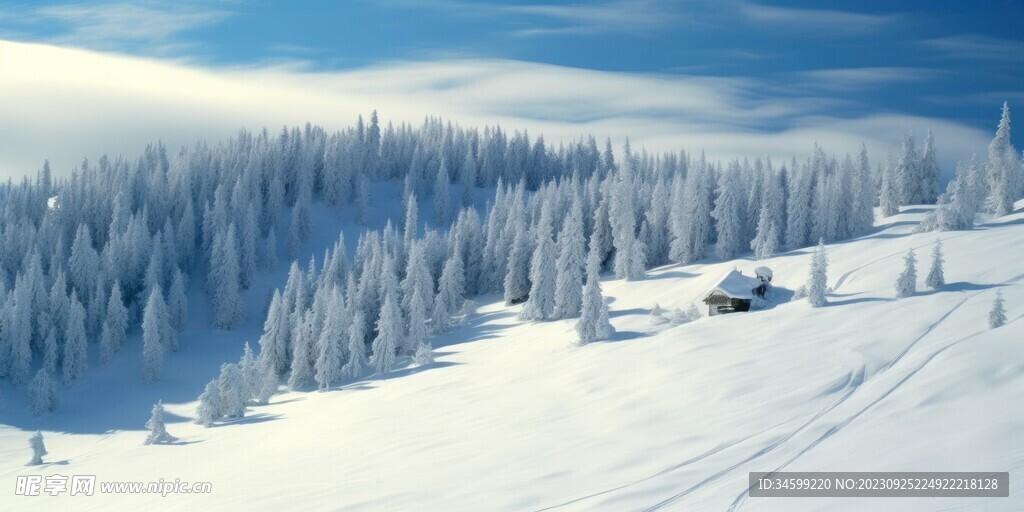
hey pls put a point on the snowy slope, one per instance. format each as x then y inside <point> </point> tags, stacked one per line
<point>514,417</point>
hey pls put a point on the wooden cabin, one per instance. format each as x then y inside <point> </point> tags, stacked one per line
<point>735,291</point>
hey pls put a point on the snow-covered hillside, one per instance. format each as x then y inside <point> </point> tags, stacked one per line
<point>513,416</point>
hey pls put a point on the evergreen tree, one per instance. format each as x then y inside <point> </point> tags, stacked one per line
<point>390,328</point>
<point>1003,168</point>
<point>250,372</point>
<point>768,240</point>
<point>889,197</point>
<point>38,449</point>
<point>728,215</point>
<point>997,317</point>
<point>936,277</point>
<point>862,216</point>
<point>517,284</point>
<point>84,262</point>
<point>357,360</point>
<point>18,334</point>
<point>330,344</point>
<point>929,170</point>
<point>418,317</point>
<point>157,336</point>
<point>541,304</point>
<point>231,386</point>
<point>424,354</point>
<point>114,325</point>
<point>817,278</point>
<point>593,324</point>
<point>906,283</point>
<point>42,393</point>
<point>228,307</point>
<point>157,431</point>
<point>907,173</point>
<point>302,373</point>
<point>450,293</point>
<point>210,405</point>
<point>570,265</point>
<point>267,380</point>
<point>75,362</point>
<point>442,200</point>
<point>276,333</point>
<point>177,302</point>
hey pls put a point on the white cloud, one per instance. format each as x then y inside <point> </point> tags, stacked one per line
<point>977,47</point>
<point>851,79</point>
<point>148,26</point>
<point>66,104</point>
<point>821,22</point>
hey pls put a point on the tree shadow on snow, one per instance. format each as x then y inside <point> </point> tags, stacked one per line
<point>248,420</point>
<point>619,336</point>
<point>832,303</point>
<point>672,274</point>
<point>626,312</point>
<point>961,286</point>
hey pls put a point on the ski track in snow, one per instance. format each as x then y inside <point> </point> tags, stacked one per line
<point>855,383</point>
<point>831,431</point>
<point>738,502</point>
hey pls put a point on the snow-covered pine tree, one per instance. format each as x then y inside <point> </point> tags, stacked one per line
<point>114,325</point>
<point>541,304</point>
<point>157,430</point>
<point>817,277</point>
<point>177,302</point>
<point>210,407</point>
<point>75,357</point>
<point>18,333</point>
<point>418,317</point>
<point>906,283</point>
<point>862,216</point>
<point>997,316</point>
<point>303,351</point>
<point>424,354</point>
<point>84,262</point>
<point>330,344</point>
<point>889,196</point>
<point>231,386</point>
<point>357,359</point>
<point>156,336</point>
<point>38,449</point>
<point>228,308</point>
<point>276,334</point>
<point>42,392</point>
<point>928,170</point>
<point>729,214</point>
<point>570,264</point>
<point>906,173</point>
<point>936,276</point>
<point>442,199</point>
<point>250,371</point>
<point>390,331</point>
<point>1004,168</point>
<point>593,324</point>
<point>269,254</point>
<point>517,283</point>
<point>770,220</point>
<point>450,294</point>
<point>798,206</point>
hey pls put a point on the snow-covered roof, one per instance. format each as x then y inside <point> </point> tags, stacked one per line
<point>763,272</point>
<point>736,285</point>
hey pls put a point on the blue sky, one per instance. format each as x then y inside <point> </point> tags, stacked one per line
<point>800,64</point>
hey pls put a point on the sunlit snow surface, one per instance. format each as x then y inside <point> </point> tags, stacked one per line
<point>513,416</point>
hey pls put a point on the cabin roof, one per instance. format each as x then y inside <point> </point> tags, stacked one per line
<point>736,285</point>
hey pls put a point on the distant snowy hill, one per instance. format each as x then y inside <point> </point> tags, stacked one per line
<point>513,416</point>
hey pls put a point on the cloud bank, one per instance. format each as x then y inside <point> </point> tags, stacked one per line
<point>66,104</point>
